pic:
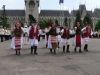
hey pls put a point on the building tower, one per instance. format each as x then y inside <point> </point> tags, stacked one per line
<point>32,7</point>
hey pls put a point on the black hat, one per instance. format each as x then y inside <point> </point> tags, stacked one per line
<point>32,19</point>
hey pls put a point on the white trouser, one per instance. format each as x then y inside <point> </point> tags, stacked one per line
<point>34,42</point>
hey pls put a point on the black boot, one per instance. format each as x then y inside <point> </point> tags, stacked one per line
<point>50,50</point>
<point>75,50</point>
<point>67,49</point>
<point>16,52</point>
<point>63,49</point>
<point>31,49</point>
<point>35,50</point>
<point>86,48</point>
<point>19,52</point>
<point>80,51</point>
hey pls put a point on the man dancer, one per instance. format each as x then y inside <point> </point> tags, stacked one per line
<point>86,35</point>
<point>65,39</point>
<point>78,37</point>
<point>33,36</point>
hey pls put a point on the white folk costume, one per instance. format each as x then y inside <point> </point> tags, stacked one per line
<point>52,40</point>
<point>47,35</point>
<point>25,38</point>
<point>86,33</point>
<point>33,36</point>
<point>65,39</point>
<point>58,35</point>
<point>17,40</point>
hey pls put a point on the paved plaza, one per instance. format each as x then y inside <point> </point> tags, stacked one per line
<point>86,63</point>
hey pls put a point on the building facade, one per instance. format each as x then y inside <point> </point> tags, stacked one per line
<point>12,15</point>
<point>51,14</point>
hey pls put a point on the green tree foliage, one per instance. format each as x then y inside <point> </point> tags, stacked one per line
<point>88,19</point>
<point>43,24</point>
<point>31,19</point>
<point>97,27</point>
<point>56,22</point>
<point>65,21</point>
<point>78,18</point>
<point>4,19</point>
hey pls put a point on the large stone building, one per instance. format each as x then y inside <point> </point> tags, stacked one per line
<point>60,15</point>
<point>54,14</point>
<point>12,15</point>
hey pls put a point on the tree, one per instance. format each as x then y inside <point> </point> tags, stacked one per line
<point>31,19</point>
<point>78,18</point>
<point>88,19</point>
<point>43,24</point>
<point>4,19</point>
<point>65,21</point>
<point>97,27</point>
<point>56,22</point>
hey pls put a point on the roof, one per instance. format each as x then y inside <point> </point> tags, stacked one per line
<point>74,12</point>
<point>14,12</point>
<point>96,13</point>
<point>90,13</point>
<point>82,7</point>
<point>54,13</point>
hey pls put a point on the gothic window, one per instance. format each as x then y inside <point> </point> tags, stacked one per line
<point>25,2</point>
<point>31,4</point>
<point>37,3</point>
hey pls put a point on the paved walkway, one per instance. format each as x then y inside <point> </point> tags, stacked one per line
<point>48,64</point>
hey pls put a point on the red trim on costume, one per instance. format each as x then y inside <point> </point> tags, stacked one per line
<point>33,34</point>
<point>87,32</point>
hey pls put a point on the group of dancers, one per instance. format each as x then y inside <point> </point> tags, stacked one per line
<point>55,37</point>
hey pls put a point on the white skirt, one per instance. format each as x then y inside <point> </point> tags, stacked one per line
<point>13,42</point>
<point>49,42</point>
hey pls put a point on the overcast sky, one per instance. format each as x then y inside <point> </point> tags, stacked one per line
<point>52,4</point>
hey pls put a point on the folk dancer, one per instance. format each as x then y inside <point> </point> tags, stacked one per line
<point>33,36</point>
<point>58,35</point>
<point>47,35</point>
<point>17,35</point>
<point>78,38</point>
<point>65,39</point>
<point>52,40</point>
<point>87,31</point>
